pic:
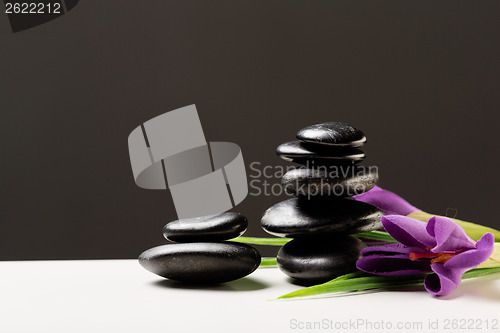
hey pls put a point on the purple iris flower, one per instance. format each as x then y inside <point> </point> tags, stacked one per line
<point>440,247</point>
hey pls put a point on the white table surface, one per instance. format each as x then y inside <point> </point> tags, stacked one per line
<point>120,296</point>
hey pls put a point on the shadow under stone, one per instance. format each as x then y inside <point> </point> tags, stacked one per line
<point>243,284</point>
<point>303,283</point>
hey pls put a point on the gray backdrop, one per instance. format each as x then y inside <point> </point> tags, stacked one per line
<point>420,78</point>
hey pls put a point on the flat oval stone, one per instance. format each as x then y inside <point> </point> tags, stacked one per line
<point>206,228</point>
<point>319,259</point>
<point>299,152</point>
<point>332,134</point>
<point>201,262</point>
<point>299,217</point>
<point>325,182</point>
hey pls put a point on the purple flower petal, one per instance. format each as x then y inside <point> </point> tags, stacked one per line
<point>389,202</point>
<point>472,258</point>
<point>390,249</point>
<point>444,281</point>
<point>394,265</point>
<point>449,274</point>
<point>408,231</point>
<point>449,235</point>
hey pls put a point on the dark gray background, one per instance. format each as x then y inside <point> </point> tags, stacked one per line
<point>420,78</point>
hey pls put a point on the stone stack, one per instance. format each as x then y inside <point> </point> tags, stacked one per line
<point>322,216</point>
<point>202,253</point>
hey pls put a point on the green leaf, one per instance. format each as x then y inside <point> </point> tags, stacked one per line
<point>356,284</point>
<point>377,235</point>
<point>364,281</point>
<point>262,241</point>
<point>476,272</point>
<point>475,231</point>
<point>268,261</point>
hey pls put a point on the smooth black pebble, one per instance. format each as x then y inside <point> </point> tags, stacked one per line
<point>332,134</point>
<point>324,182</point>
<point>206,228</point>
<point>201,262</point>
<point>320,259</point>
<point>299,217</point>
<point>299,152</point>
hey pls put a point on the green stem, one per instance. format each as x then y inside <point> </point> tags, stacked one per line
<point>268,261</point>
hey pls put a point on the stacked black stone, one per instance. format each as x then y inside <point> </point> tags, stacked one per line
<point>202,253</point>
<point>322,216</point>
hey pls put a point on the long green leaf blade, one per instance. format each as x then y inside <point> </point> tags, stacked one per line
<point>376,235</point>
<point>262,241</point>
<point>268,261</point>
<point>477,272</point>
<point>368,282</point>
<point>355,284</point>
